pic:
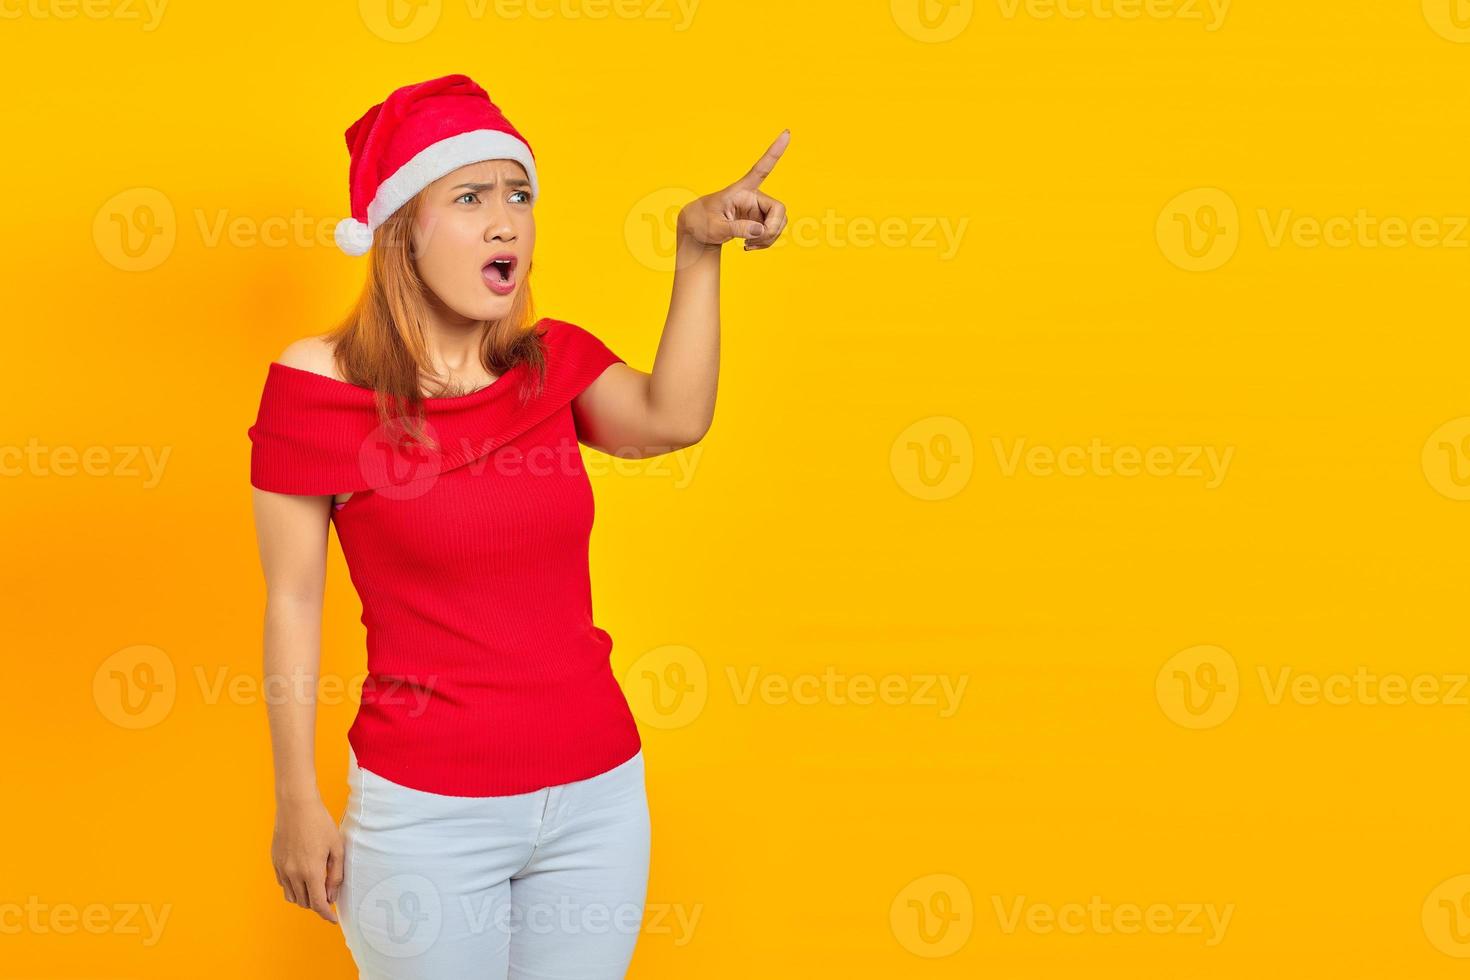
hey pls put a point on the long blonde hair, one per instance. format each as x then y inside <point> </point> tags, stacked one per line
<point>382,343</point>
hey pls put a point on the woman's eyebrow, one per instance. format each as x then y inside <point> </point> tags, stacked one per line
<point>512,182</point>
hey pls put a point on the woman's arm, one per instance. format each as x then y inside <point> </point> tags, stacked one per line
<point>306,847</point>
<point>632,413</point>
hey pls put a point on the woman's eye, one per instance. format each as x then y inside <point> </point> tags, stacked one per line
<point>465,195</point>
<point>527,196</point>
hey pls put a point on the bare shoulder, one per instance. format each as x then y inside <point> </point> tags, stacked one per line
<point>312,354</point>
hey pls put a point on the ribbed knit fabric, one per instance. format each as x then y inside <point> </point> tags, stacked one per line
<point>486,675</point>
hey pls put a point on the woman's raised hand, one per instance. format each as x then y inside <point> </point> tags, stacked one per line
<point>741,210</point>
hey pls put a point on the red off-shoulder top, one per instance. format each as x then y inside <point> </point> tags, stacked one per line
<point>486,675</point>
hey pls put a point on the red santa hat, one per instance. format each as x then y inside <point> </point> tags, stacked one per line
<point>417,135</point>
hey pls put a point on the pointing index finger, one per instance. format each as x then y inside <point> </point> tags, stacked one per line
<point>767,162</point>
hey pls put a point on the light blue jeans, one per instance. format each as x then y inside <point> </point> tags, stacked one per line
<point>534,886</point>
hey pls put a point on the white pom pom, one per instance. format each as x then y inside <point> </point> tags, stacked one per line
<point>353,237</point>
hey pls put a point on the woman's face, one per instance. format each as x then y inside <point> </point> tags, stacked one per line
<point>466,221</point>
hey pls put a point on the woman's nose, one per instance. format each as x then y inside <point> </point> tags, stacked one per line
<point>498,225</point>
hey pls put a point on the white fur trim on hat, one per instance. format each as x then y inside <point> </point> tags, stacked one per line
<point>427,166</point>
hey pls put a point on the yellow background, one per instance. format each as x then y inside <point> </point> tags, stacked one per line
<point>852,508</point>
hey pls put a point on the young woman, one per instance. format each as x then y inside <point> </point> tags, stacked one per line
<point>497,824</point>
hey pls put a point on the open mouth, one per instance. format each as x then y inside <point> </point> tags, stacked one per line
<point>499,273</point>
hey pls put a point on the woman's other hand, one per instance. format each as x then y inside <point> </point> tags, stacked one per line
<point>306,850</point>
